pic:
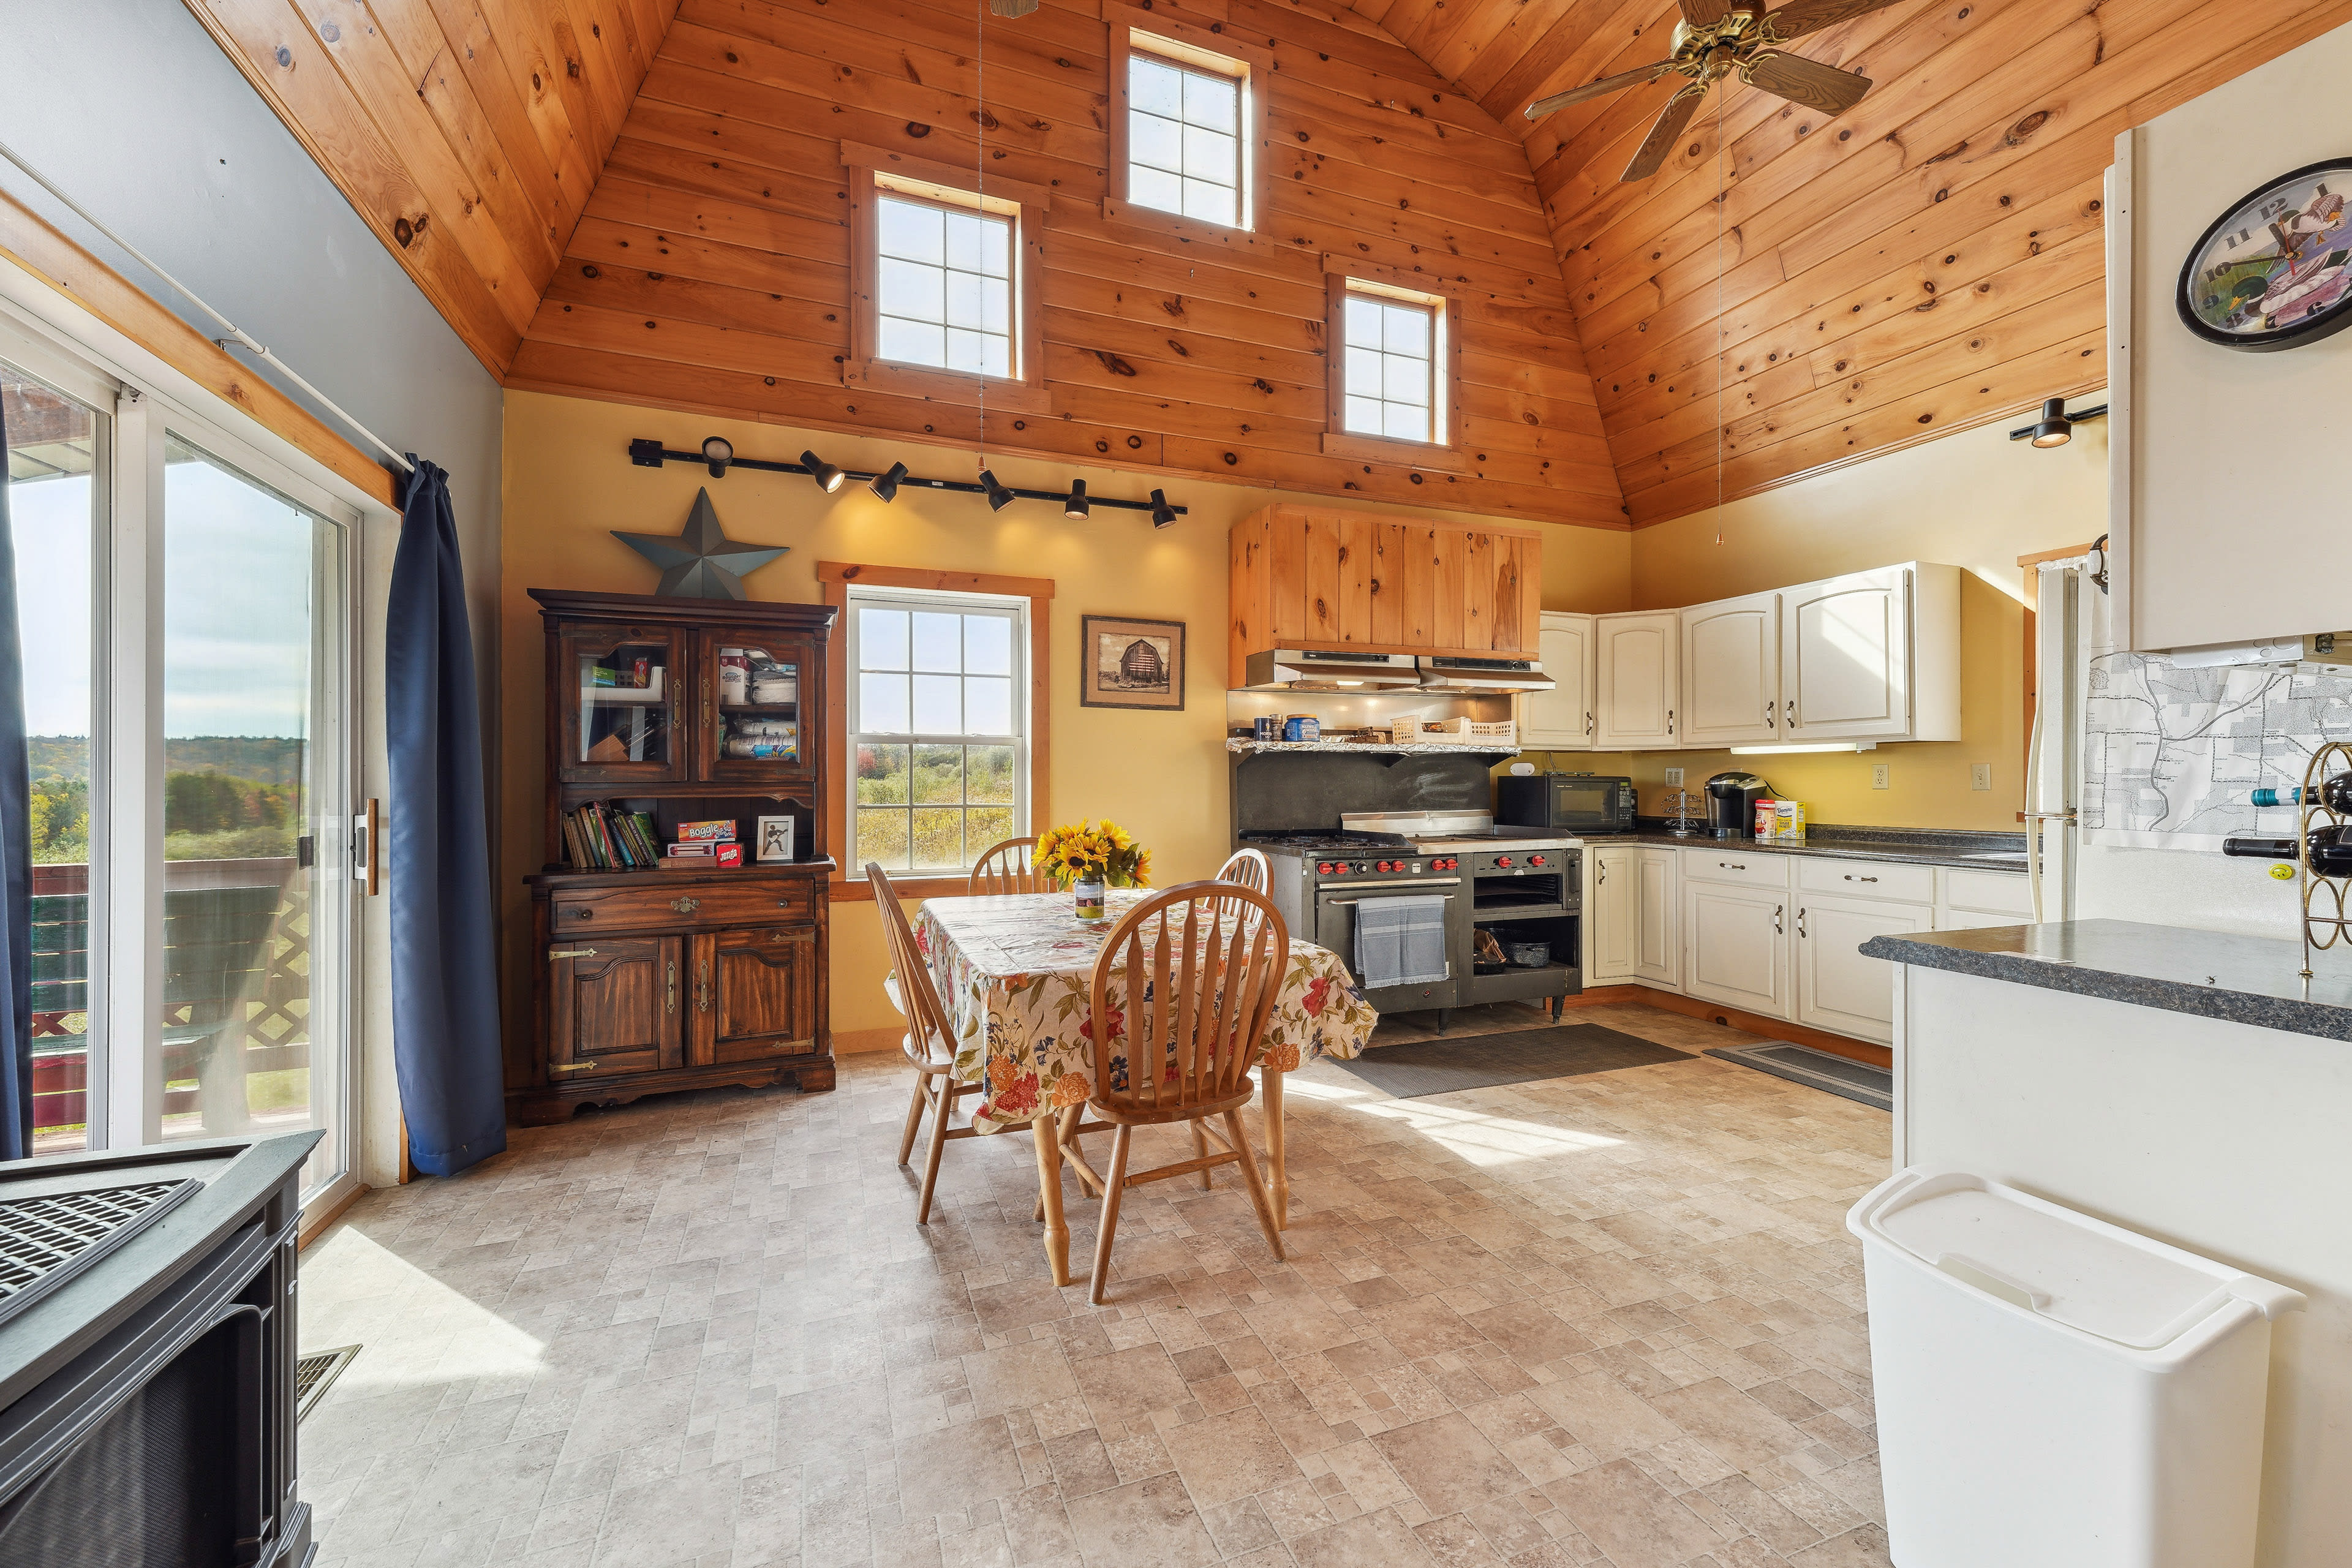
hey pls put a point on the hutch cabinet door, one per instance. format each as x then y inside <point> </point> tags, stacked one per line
<point>616,691</point>
<point>614,1006</point>
<point>754,994</point>
<point>758,695</point>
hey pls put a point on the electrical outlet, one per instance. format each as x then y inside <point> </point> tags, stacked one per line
<point>1878,775</point>
<point>1980,776</point>
<point>1673,778</point>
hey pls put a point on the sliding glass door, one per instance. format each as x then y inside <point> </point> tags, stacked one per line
<point>189,710</point>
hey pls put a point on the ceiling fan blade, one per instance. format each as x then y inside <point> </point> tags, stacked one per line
<point>1809,82</point>
<point>1664,135</point>
<point>1592,90</point>
<point>1794,21</point>
<point>1705,13</point>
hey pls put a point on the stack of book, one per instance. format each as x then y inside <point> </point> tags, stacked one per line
<point>601,837</point>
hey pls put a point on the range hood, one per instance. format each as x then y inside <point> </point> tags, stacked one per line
<point>1331,670</point>
<point>1474,676</point>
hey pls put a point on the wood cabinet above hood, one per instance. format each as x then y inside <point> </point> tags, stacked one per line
<point>1316,577</point>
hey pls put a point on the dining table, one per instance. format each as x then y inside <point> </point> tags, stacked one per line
<point>1013,972</point>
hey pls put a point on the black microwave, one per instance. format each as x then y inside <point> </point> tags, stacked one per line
<point>1576,803</point>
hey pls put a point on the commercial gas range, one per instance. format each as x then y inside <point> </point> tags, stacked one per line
<point>1525,884</point>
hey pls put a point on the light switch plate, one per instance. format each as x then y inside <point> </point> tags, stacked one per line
<point>1980,776</point>
<point>1878,775</point>
<point>1673,778</point>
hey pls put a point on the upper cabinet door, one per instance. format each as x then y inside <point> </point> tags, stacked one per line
<point>616,688</point>
<point>1731,672</point>
<point>755,704</point>
<point>1562,719</point>
<point>1640,681</point>
<point>1845,658</point>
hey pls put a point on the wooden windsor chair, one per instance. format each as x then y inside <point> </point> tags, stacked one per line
<point>1005,868</point>
<point>1195,971</point>
<point>1247,867</point>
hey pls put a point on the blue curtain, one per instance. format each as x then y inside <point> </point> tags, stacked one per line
<point>15,856</point>
<point>444,984</point>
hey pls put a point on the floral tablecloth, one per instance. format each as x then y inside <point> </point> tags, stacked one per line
<point>1012,972</point>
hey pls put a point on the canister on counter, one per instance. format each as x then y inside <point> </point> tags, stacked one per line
<point>1302,727</point>
<point>1267,727</point>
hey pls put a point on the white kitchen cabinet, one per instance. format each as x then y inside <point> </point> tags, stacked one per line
<point>1837,987</point>
<point>1611,890</point>
<point>1735,944</point>
<point>1639,666</point>
<point>1563,719</point>
<point>1731,672</point>
<point>1657,920</point>
<point>1874,655</point>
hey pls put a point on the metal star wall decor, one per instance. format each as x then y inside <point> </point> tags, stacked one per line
<point>701,562</point>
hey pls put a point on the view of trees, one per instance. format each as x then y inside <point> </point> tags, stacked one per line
<point>241,799</point>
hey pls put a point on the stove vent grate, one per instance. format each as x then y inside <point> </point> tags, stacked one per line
<point>46,1240</point>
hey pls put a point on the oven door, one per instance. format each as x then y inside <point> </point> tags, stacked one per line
<point>1336,905</point>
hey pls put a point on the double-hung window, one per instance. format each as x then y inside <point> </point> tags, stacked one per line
<point>939,727</point>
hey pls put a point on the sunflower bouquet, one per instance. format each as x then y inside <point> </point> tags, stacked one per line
<point>1088,853</point>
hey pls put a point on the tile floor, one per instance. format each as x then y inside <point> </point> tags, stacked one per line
<point>1608,1319</point>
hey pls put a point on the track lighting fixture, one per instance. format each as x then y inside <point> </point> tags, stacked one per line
<point>828,478</point>
<point>2056,427</point>
<point>719,454</point>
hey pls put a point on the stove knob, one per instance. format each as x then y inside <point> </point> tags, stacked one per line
<point>1323,867</point>
<point>1340,867</point>
<point>1503,860</point>
<point>1388,866</point>
<point>1535,860</point>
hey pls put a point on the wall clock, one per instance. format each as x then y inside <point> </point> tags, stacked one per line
<point>2275,270</point>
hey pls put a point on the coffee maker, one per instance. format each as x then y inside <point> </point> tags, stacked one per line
<point>1732,803</point>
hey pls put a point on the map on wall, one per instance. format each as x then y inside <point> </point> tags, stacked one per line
<point>2171,755</point>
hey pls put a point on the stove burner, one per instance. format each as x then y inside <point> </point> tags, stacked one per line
<point>1326,841</point>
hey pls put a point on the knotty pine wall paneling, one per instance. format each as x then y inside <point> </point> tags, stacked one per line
<point>710,268</point>
<point>1928,262</point>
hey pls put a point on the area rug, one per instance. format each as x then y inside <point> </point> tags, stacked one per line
<point>1421,1068</point>
<point>1860,1081</point>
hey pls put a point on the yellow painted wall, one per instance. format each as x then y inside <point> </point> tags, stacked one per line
<point>1976,500</point>
<point>567,482</point>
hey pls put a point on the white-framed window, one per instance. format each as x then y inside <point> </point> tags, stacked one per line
<point>1187,118</point>
<point>1394,348</point>
<point>943,294</point>
<point>939,723</point>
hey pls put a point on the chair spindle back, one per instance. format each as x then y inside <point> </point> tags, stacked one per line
<point>1007,868</point>
<point>1196,971</point>
<point>1247,867</point>
<point>928,1043</point>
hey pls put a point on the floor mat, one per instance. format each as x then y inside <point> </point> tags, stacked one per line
<point>1419,1068</point>
<point>1860,1081</point>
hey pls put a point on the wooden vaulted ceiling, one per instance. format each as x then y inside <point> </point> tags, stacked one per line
<point>644,200</point>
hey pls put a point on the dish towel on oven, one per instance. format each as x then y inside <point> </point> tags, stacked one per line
<point>1401,942</point>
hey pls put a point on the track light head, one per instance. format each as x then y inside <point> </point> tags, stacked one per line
<point>828,478</point>
<point>2055,429</point>
<point>1075,506</point>
<point>999,498</point>
<point>718,451</point>
<point>885,486</point>
<point>1163,514</point>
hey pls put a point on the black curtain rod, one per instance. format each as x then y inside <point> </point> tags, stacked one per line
<point>649,454</point>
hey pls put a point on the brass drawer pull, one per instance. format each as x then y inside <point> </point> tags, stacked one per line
<point>570,953</point>
<point>670,1004</point>
<point>702,986</point>
<point>573,1066</point>
<point>583,914</point>
<point>686,905</point>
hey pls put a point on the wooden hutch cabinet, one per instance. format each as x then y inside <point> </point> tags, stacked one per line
<point>651,980</point>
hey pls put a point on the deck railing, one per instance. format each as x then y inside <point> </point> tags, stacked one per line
<point>236,983</point>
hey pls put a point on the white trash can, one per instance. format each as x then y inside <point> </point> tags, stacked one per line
<point>2055,1392</point>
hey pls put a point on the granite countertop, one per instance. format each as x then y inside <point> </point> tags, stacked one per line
<point>1963,851</point>
<point>2251,980</point>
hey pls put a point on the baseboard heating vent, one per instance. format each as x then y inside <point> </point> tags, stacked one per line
<point>1870,1086</point>
<point>316,1373</point>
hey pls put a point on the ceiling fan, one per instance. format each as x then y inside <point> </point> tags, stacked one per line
<point>1718,38</point>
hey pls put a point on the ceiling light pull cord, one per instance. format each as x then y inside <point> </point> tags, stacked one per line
<point>1722,199</point>
<point>236,334</point>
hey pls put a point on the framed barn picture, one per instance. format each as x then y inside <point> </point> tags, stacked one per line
<point>1132,664</point>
